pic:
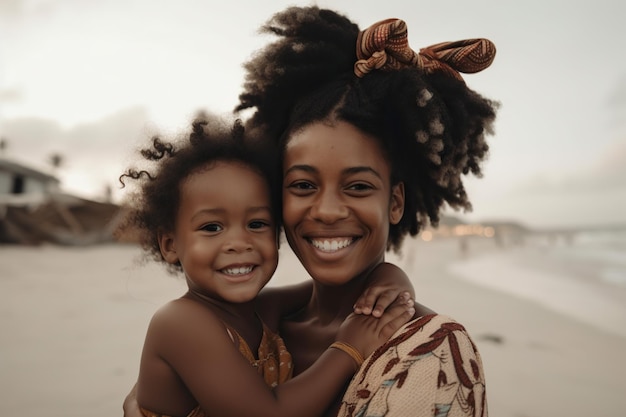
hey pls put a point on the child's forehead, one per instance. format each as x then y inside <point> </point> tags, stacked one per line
<point>234,166</point>
<point>225,181</point>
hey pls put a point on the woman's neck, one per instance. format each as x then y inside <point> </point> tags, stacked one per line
<point>335,302</point>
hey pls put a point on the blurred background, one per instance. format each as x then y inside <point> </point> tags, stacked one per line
<point>83,83</point>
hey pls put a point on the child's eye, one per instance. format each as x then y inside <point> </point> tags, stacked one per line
<point>212,228</point>
<point>258,224</point>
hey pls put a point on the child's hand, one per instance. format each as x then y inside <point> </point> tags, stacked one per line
<point>386,284</point>
<point>130,406</point>
<point>376,299</point>
<point>366,333</point>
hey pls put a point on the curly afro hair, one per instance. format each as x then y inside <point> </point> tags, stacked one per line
<point>153,206</point>
<point>431,127</point>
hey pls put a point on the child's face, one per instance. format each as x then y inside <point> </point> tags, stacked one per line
<point>224,236</point>
<point>338,201</point>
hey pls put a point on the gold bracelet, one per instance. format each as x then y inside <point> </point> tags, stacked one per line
<point>350,350</point>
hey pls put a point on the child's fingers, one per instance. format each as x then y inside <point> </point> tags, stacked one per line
<point>384,300</point>
<point>365,303</point>
<point>376,300</point>
<point>394,317</point>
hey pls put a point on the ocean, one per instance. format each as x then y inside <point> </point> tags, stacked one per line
<point>583,277</point>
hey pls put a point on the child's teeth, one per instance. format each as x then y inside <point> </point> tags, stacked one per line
<point>238,271</point>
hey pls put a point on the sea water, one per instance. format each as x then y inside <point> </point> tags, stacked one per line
<point>582,275</point>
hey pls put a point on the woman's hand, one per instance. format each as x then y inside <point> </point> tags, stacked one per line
<point>387,285</point>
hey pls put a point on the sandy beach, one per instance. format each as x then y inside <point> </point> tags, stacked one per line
<point>73,320</point>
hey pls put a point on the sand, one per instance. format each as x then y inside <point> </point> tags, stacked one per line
<point>73,320</point>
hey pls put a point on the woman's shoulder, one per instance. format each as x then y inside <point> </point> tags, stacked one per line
<point>434,322</point>
<point>430,330</point>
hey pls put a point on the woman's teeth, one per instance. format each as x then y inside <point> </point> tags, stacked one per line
<point>331,245</point>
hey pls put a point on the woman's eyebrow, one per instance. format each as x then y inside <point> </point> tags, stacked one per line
<point>306,168</point>
<point>347,171</point>
<point>360,169</point>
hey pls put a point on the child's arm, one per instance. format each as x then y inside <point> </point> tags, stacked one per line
<point>274,303</point>
<point>386,284</point>
<point>191,341</point>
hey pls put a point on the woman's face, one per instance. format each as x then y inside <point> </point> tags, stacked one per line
<point>338,201</point>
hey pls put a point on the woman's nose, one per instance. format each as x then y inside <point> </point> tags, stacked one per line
<point>328,207</point>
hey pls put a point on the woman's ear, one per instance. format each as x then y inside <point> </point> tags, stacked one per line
<point>396,206</point>
<point>168,248</point>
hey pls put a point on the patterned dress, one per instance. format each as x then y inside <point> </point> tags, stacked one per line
<point>274,363</point>
<point>430,367</point>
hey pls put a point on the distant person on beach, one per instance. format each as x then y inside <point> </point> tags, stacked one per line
<point>375,139</point>
<point>208,209</point>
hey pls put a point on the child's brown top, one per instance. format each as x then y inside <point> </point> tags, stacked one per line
<point>274,363</point>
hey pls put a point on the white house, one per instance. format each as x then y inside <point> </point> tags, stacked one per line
<point>33,209</point>
<point>21,185</point>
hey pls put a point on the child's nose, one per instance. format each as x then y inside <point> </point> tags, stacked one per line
<point>238,241</point>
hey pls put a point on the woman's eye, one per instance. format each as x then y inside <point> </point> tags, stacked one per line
<point>360,187</point>
<point>212,227</point>
<point>301,186</point>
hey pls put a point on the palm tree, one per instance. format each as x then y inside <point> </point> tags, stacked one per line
<point>56,160</point>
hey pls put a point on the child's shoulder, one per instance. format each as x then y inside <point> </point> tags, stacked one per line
<point>185,314</point>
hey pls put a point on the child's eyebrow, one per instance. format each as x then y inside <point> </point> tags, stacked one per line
<point>214,211</point>
<point>220,211</point>
<point>259,209</point>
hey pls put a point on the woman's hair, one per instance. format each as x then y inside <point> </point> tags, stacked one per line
<point>431,126</point>
<point>153,206</point>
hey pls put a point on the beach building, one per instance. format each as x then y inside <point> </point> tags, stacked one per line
<point>34,210</point>
<point>22,185</point>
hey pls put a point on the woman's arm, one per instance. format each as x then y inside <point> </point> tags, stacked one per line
<point>194,344</point>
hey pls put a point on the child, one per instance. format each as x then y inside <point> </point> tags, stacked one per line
<point>210,210</point>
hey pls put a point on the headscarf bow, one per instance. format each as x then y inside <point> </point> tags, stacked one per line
<point>384,45</point>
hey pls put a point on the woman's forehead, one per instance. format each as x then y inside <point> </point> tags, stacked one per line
<point>339,142</point>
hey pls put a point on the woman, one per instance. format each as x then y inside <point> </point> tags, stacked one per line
<point>374,144</point>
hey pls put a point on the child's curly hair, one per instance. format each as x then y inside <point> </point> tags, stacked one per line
<point>153,206</point>
<point>431,126</point>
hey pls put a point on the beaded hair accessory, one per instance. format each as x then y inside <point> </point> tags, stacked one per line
<point>384,45</point>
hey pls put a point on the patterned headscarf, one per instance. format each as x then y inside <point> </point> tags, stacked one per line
<point>384,45</point>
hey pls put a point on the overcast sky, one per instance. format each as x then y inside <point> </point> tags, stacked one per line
<point>90,79</point>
